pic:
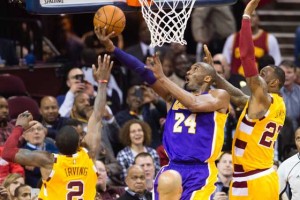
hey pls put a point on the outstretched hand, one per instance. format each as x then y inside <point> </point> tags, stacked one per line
<point>104,38</point>
<point>251,6</point>
<point>102,73</point>
<point>208,58</point>
<point>154,64</point>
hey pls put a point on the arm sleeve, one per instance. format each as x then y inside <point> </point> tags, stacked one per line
<point>11,145</point>
<point>274,50</point>
<point>247,49</point>
<point>66,107</point>
<point>135,64</point>
<point>282,178</point>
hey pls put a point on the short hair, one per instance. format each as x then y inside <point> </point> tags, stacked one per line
<point>17,190</point>
<point>67,140</point>
<point>210,71</point>
<point>142,155</point>
<point>289,64</point>
<point>124,132</point>
<point>221,155</point>
<point>280,74</point>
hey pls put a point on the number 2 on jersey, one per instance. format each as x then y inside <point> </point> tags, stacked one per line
<point>189,122</point>
<point>75,189</point>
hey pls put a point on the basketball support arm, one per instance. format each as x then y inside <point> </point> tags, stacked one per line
<point>135,64</point>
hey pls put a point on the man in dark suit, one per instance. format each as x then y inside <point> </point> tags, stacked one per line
<point>142,50</point>
<point>136,182</point>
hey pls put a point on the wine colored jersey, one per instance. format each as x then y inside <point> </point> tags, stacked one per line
<point>254,140</point>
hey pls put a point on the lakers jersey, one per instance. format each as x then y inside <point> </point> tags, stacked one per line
<point>193,137</point>
<point>254,140</point>
<point>72,177</point>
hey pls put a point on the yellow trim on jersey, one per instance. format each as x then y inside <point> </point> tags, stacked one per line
<point>207,190</point>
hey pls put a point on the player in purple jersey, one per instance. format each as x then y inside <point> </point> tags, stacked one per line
<point>194,129</point>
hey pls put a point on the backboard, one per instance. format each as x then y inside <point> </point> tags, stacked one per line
<point>90,6</point>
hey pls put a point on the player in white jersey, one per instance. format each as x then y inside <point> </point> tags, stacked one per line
<point>289,172</point>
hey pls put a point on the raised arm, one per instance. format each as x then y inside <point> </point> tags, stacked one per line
<point>12,153</point>
<point>131,62</point>
<point>257,85</point>
<point>93,136</point>
<point>237,97</point>
<point>216,100</point>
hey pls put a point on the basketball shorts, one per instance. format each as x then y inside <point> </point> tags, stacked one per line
<point>253,186</point>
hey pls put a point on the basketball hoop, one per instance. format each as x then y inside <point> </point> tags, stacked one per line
<point>166,19</point>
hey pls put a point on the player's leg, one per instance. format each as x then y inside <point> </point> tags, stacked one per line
<point>208,184</point>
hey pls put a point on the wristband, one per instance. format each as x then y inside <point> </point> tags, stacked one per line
<point>102,81</point>
<point>247,16</point>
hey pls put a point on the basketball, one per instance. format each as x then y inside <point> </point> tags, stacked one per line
<point>112,17</point>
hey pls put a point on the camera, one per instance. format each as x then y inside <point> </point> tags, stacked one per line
<point>138,92</point>
<point>79,77</point>
<point>225,190</point>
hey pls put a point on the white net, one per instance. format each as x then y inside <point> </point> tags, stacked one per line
<point>166,19</point>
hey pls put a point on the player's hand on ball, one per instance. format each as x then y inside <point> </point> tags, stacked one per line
<point>104,38</point>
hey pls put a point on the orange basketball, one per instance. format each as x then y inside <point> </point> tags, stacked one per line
<point>112,17</point>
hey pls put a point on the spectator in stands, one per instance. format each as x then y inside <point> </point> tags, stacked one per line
<point>181,65</point>
<point>170,185</point>
<point>50,116</point>
<point>144,104</point>
<point>264,42</point>
<point>225,168</point>
<point>298,75</point>
<point>297,47</point>
<point>105,191</point>
<point>35,138</point>
<point>23,192</point>
<point>4,194</point>
<point>291,92</point>
<point>5,126</point>
<point>235,79</point>
<point>7,168</point>
<point>135,136</point>
<point>114,93</point>
<point>69,44</point>
<point>211,26</point>
<point>288,173</point>
<point>136,182</point>
<point>167,63</point>
<point>13,181</point>
<point>76,84</point>
<point>8,52</point>
<point>142,50</point>
<point>146,161</point>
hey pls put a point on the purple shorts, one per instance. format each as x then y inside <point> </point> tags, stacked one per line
<point>194,178</point>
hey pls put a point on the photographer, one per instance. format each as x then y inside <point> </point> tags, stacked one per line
<point>76,84</point>
<point>224,165</point>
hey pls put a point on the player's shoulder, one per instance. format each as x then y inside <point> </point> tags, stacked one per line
<point>220,93</point>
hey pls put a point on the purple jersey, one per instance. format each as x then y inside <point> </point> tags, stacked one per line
<point>193,137</point>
